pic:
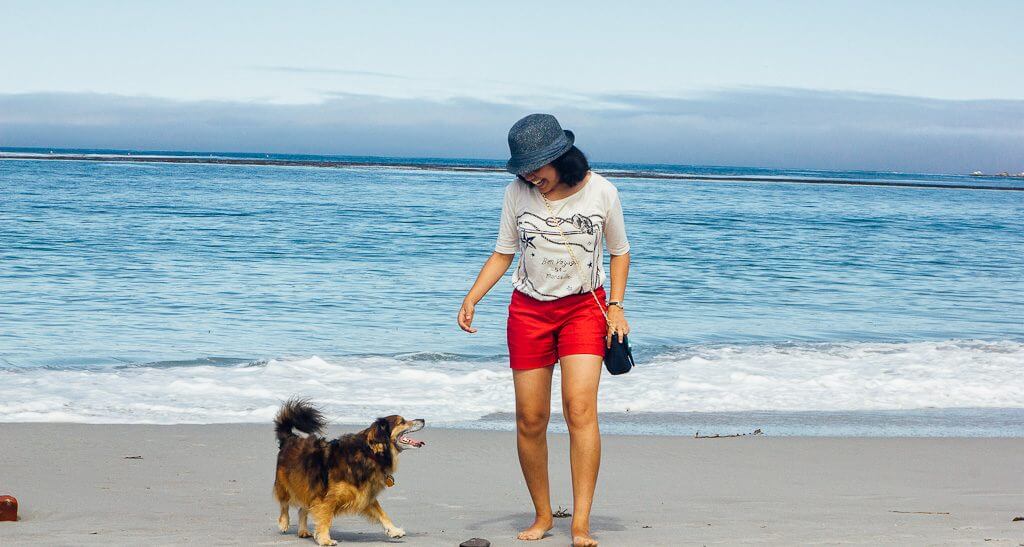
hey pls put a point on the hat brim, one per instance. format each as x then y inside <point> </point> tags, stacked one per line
<point>522,165</point>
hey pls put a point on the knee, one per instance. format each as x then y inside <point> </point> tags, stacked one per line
<point>532,424</point>
<point>579,414</point>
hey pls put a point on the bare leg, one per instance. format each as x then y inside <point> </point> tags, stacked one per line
<point>303,527</point>
<point>323,515</point>
<point>581,375</point>
<point>533,410</point>
<point>376,512</point>
<point>282,521</point>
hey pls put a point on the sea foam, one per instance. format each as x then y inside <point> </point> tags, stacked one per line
<point>454,389</point>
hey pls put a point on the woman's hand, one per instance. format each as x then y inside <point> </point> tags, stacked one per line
<point>466,316</point>
<point>617,325</point>
<point>493,269</point>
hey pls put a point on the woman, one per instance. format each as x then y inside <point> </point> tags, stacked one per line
<point>556,202</point>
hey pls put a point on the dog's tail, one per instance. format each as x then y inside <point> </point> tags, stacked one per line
<point>297,414</point>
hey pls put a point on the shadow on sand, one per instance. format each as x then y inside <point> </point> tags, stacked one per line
<point>342,536</point>
<point>516,522</point>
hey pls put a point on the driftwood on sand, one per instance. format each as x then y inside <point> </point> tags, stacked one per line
<point>717,436</point>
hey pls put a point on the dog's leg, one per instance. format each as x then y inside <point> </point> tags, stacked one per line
<point>323,515</point>
<point>281,494</point>
<point>282,521</point>
<point>376,512</point>
<point>303,529</point>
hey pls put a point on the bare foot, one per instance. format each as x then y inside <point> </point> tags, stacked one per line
<point>583,539</point>
<point>536,530</point>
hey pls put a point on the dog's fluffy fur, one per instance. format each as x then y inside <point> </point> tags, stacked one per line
<point>324,478</point>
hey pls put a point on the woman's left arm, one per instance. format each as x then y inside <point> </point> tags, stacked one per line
<point>616,316</point>
<point>618,248</point>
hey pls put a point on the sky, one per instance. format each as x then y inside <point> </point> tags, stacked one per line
<point>909,86</point>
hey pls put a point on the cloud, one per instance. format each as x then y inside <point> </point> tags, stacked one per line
<point>769,127</point>
<point>329,71</point>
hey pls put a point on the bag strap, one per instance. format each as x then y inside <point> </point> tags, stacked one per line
<point>572,255</point>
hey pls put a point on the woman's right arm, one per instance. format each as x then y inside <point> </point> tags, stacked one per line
<point>493,269</point>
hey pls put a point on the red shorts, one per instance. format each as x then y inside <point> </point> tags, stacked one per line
<point>539,332</point>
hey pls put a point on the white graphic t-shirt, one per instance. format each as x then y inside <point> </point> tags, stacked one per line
<point>589,217</point>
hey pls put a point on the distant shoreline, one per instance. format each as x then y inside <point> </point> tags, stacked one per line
<point>335,164</point>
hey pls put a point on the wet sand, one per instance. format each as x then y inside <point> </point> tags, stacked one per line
<point>211,485</point>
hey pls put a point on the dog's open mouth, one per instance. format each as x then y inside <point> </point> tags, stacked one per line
<point>409,441</point>
<point>405,441</point>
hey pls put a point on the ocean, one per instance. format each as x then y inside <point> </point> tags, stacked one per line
<point>796,302</point>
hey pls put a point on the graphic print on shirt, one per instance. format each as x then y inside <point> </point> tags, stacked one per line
<point>582,232</point>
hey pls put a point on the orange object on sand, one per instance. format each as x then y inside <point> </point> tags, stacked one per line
<point>8,508</point>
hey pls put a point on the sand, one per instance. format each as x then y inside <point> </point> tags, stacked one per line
<point>211,485</point>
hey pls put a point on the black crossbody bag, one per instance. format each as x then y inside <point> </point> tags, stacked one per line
<point>618,359</point>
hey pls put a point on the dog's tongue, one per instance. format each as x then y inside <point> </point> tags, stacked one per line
<point>413,442</point>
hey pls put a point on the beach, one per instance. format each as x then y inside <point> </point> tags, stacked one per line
<point>213,214</point>
<point>211,485</point>
<point>166,309</point>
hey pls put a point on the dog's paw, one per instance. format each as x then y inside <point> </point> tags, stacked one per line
<point>305,534</point>
<point>327,541</point>
<point>395,533</point>
<point>283,527</point>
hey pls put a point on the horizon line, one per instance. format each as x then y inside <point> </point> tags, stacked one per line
<point>198,153</point>
<point>328,164</point>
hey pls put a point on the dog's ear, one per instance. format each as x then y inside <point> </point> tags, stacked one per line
<point>379,436</point>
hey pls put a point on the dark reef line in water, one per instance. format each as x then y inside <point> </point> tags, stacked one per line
<point>468,168</point>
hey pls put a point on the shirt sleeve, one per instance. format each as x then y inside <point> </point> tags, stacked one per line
<point>615,228</point>
<point>508,235</point>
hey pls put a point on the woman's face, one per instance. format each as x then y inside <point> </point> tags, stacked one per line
<point>545,178</point>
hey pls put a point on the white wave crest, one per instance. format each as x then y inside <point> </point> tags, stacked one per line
<point>855,376</point>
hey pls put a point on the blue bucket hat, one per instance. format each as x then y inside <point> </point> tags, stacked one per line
<point>536,141</point>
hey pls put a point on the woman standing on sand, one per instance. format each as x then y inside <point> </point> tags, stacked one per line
<point>556,200</point>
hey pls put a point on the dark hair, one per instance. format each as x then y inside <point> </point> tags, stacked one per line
<point>571,167</point>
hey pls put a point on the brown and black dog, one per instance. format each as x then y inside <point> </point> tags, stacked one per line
<point>324,478</point>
